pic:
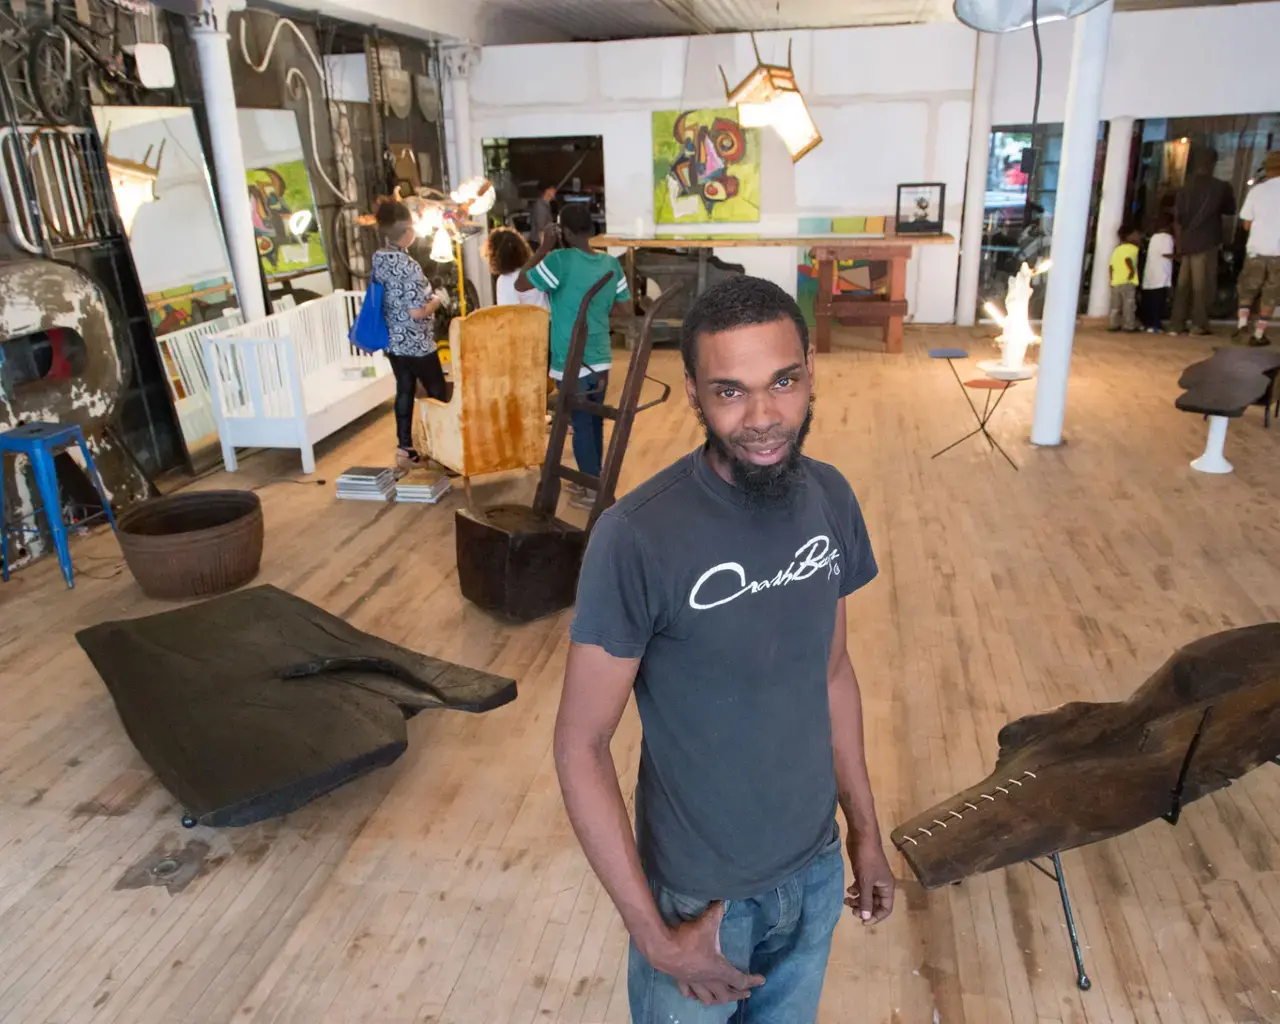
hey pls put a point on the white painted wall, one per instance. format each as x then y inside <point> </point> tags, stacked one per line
<point>881,126</point>
<point>1191,62</point>
<point>893,104</point>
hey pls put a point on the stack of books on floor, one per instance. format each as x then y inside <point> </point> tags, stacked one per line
<point>367,483</point>
<point>422,486</point>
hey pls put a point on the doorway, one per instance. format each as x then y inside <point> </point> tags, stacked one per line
<point>521,168</point>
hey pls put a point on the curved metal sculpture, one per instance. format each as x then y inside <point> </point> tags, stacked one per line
<point>1085,772</point>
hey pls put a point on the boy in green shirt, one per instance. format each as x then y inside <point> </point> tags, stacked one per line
<point>566,275</point>
<point>1124,281</point>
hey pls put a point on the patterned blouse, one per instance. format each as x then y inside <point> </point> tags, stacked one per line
<point>404,288</point>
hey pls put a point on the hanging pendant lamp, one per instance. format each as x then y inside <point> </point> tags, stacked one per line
<point>770,97</point>
<point>1011,15</point>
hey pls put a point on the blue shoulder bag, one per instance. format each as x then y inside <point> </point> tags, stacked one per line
<point>369,332</point>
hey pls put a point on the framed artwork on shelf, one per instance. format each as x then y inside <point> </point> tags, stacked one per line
<point>920,209</point>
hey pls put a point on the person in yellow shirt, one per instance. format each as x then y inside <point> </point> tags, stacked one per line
<point>1124,281</point>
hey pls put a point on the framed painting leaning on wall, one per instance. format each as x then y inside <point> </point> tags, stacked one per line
<point>706,168</point>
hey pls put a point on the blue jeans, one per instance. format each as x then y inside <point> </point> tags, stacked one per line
<point>783,934</point>
<point>588,430</point>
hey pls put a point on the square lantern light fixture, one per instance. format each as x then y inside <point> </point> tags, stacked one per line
<point>770,97</point>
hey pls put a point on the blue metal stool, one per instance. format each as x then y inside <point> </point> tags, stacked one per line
<point>40,442</point>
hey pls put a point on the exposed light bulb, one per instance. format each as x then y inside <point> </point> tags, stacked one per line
<point>428,221</point>
<point>477,195</point>
<point>442,246</point>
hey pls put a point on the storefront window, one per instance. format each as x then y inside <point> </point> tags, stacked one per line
<point>1241,143</point>
<point>1022,190</point>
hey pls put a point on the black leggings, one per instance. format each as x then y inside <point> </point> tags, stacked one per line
<point>409,370</point>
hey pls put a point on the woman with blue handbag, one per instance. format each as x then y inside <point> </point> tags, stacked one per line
<point>408,309</point>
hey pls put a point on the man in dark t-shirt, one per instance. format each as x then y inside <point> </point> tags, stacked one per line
<point>1198,211</point>
<point>716,593</point>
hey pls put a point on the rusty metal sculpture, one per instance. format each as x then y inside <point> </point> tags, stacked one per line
<point>59,303</point>
<point>1210,714</point>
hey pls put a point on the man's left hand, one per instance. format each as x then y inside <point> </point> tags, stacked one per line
<point>871,895</point>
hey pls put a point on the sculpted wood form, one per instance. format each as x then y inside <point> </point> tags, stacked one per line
<point>250,705</point>
<point>1084,772</point>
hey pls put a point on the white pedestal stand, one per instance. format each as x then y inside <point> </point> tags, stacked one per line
<point>1213,460</point>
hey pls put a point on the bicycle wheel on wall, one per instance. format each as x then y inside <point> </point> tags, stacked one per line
<point>52,75</point>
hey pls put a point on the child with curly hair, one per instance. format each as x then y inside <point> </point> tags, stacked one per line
<point>508,254</point>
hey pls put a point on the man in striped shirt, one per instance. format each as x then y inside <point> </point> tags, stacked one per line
<point>566,274</point>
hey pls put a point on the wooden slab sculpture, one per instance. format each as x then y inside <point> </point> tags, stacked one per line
<point>521,562</point>
<point>252,704</point>
<point>1085,772</point>
<point>1228,381</point>
<point>1221,388</point>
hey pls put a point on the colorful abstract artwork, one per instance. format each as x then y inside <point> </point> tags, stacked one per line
<point>706,167</point>
<point>853,277</point>
<point>176,308</point>
<point>284,219</point>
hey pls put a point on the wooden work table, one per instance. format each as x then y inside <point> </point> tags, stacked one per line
<point>891,247</point>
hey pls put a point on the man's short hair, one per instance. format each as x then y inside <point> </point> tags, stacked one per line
<point>576,218</point>
<point>738,302</point>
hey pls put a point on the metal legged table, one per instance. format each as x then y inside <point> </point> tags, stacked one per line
<point>989,407</point>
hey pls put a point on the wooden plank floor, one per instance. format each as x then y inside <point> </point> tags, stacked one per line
<point>449,888</point>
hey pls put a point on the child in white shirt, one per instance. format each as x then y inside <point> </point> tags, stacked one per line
<point>508,252</point>
<point>1157,276</point>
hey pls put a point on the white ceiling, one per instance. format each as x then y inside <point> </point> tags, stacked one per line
<point>630,19</point>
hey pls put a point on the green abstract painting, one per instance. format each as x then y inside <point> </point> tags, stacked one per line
<point>706,168</point>
<point>284,219</point>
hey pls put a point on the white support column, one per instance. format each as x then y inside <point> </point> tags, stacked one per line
<point>459,62</point>
<point>228,154</point>
<point>1115,181</point>
<point>975,188</point>
<point>1070,220</point>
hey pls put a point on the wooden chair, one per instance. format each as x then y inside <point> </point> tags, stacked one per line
<point>496,418</point>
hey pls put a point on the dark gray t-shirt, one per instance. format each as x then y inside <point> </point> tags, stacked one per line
<point>731,611</point>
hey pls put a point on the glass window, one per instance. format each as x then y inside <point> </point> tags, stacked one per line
<point>1022,194</point>
<point>1241,142</point>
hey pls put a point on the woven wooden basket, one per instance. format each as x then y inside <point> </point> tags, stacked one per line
<point>193,545</point>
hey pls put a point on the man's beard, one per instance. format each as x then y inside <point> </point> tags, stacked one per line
<point>763,486</point>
